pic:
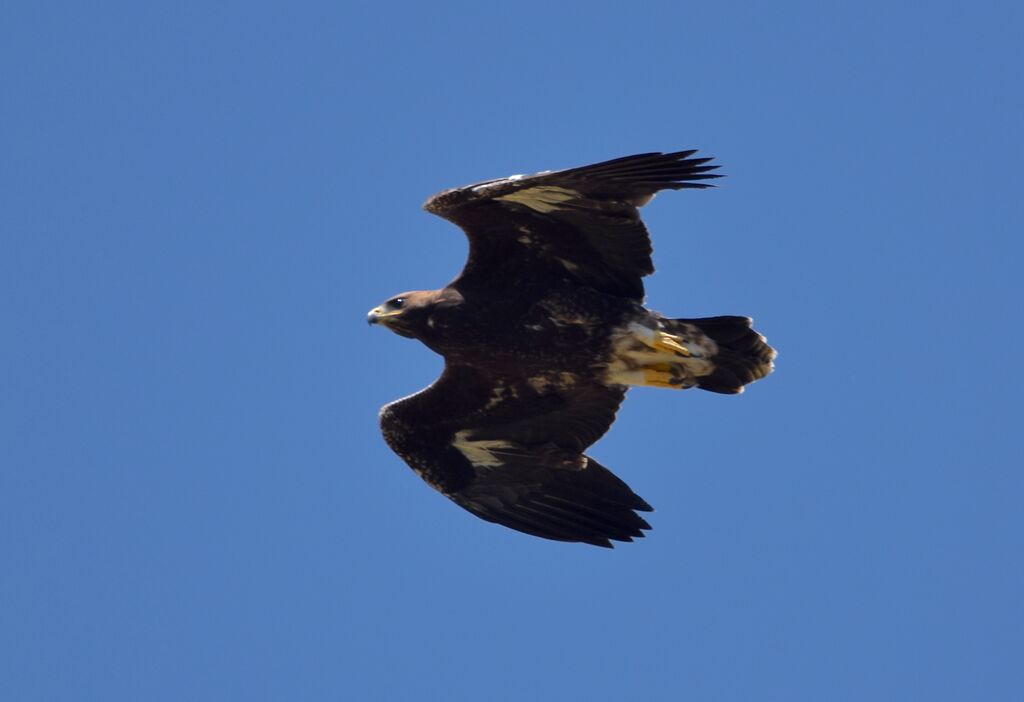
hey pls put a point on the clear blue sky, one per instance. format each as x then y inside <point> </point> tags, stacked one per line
<point>202,200</point>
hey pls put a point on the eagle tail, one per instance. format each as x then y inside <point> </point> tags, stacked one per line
<point>743,355</point>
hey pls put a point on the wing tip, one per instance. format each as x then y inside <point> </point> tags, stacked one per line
<point>653,171</point>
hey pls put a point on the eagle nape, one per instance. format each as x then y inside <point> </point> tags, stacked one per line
<point>543,333</point>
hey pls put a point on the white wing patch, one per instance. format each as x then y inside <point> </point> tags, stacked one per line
<point>543,198</point>
<point>481,452</point>
<point>491,183</point>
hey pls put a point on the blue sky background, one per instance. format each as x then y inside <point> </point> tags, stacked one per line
<point>201,201</point>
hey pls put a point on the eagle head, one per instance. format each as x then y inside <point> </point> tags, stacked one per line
<point>407,314</point>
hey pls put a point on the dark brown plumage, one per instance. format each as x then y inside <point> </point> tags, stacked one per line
<point>542,333</point>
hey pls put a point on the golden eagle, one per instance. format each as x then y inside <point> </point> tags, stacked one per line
<point>542,333</point>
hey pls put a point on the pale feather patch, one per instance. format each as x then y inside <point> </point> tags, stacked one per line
<point>496,398</point>
<point>620,373</point>
<point>689,337</point>
<point>501,393</point>
<point>569,265</point>
<point>644,334</point>
<point>542,198</point>
<point>563,315</point>
<point>648,355</point>
<point>546,382</point>
<point>481,452</point>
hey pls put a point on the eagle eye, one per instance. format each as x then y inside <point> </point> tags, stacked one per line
<point>397,303</point>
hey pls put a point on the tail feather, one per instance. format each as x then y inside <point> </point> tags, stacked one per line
<point>743,355</point>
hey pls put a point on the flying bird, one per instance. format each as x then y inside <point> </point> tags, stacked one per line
<point>542,333</point>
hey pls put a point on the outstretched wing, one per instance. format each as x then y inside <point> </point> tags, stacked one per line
<point>582,224</point>
<point>510,450</point>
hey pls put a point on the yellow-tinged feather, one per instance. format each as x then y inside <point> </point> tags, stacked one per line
<point>666,342</point>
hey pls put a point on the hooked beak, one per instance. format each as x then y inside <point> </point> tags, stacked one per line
<point>378,315</point>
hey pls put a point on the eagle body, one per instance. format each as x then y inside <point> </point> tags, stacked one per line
<point>543,333</point>
<point>535,329</point>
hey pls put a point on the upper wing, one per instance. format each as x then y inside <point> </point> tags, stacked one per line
<point>510,450</point>
<point>582,223</point>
